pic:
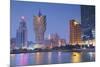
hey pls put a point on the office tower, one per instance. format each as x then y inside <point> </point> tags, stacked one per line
<point>88,21</point>
<point>62,42</point>
<point>39,27</point>
<point>12,43</point>
<point>75,32</point>
<point>54,39</point>
<point>21,34</point>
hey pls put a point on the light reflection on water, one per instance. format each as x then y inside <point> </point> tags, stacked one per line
<point>76,57</point>
<point>50,58</point>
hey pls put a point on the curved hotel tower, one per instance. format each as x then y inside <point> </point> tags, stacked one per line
<point>39,22</point>
<point>75,32</point>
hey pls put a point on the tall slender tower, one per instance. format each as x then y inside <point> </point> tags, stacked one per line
<point>39,27</point>
<point>75,32</point>
<point>21,34</point>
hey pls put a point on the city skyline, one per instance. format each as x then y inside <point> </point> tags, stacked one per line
<point>58,16</point>
<point>61,33</point>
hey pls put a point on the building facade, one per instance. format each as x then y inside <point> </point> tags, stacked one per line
<point>54,37</point>
<point>12,43</point>
<point>88,21</point>
<point>39,23</point>
<point>21,34</point>
<point>88,24</point>
<point>75,32</point>
<point>62,42</point>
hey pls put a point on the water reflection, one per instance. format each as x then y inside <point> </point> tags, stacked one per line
<point>38,57</point>
<point>76,57</point>
<point>23,59</point>
<point>13,61</point>
<point>92,55</point>
<point>51,58</point>
<point>59,57</point>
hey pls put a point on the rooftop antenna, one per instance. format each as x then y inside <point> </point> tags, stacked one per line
<point>39,14</point>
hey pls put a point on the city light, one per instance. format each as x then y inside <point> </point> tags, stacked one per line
<point>55,34</point>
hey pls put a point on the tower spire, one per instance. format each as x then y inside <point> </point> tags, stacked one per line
<point>39,14</point>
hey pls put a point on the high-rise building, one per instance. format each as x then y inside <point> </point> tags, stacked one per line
<point>12,43</point>
<point>75,32</point>
<point>54,39</point>
<point>39,27</point>
<point>62,42</point>
<point>88,21</point>
<point>21,34</point>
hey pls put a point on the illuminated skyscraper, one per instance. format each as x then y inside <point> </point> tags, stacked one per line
<point>62,42</point>
<point>39,27</point>
<point>75,32</point>
<point>21,34</point>
<point>88,21</point>
<point>88,24</point>
<point>54,37</point>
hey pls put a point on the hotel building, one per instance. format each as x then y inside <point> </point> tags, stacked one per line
<point>39,24</point>
<point>75,32</point>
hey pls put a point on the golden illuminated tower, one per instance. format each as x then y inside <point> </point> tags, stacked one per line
<point>75,32</point>
<point>39,27</point>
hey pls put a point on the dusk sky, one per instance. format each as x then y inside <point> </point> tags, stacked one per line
<point>57,16</point>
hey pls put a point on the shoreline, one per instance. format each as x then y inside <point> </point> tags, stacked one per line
<point>74,50</point>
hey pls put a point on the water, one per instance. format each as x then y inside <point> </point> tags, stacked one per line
<point>50,58</point>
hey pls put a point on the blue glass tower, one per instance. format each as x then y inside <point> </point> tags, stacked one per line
<point>21,34</point>
<point>88,21</point>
